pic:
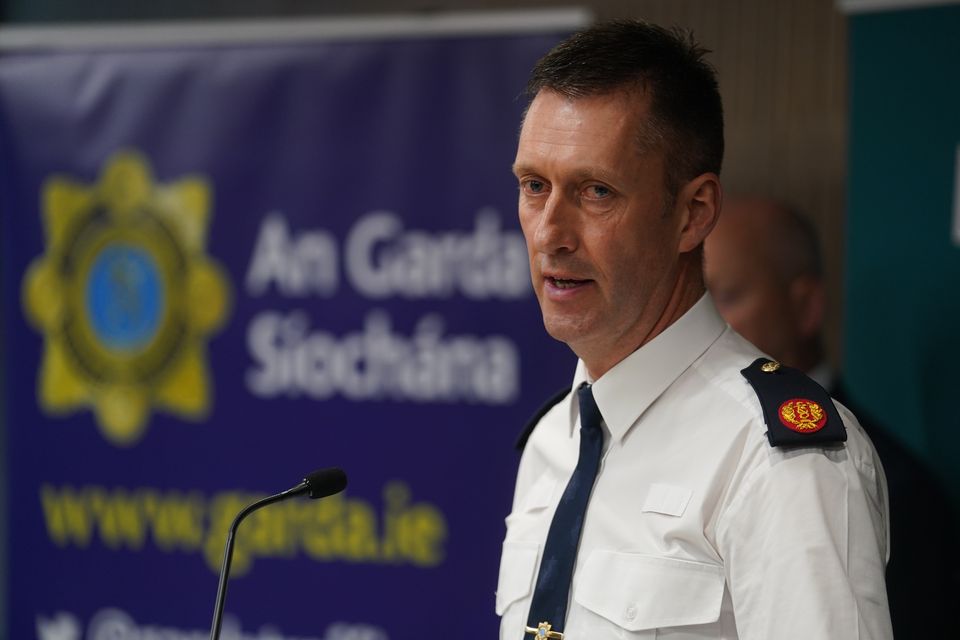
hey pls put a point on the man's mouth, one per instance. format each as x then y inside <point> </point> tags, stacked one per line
<point>565,283</point>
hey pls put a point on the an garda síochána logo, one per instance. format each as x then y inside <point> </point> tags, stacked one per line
<point>126,297</point>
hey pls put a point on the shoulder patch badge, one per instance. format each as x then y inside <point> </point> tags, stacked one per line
<point>802,415</point>
<point>797,410</point>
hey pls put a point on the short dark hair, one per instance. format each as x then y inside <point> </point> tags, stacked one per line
<point>686,119</point>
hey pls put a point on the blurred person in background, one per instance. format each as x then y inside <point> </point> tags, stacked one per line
<point>763,267</point>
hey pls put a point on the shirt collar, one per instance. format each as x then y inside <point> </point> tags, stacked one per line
<point>624,392</point>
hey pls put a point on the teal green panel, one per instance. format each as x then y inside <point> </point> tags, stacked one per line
<point>902,331</point>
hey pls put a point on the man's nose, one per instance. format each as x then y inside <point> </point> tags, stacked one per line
<point>556,230</point>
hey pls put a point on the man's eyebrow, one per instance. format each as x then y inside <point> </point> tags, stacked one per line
<point>519,169</point>
<point>581,173</point>
<point>594,173</point>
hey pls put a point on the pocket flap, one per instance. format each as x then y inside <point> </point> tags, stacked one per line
<point>517,564</point>
<point>667,499</point>
<point>637,591</point>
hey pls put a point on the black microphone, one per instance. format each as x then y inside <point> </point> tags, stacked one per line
<point>319,484</point>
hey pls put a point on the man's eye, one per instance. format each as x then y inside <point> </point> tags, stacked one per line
<point>533,186</point>
<point>598,191</point>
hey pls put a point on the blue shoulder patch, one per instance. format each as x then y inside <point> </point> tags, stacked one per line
<point>798,412</point>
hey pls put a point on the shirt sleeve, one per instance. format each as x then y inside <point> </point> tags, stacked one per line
<point>804,545</point>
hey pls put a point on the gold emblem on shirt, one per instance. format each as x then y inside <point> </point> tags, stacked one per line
<point>802,415</point>
<point>544,630</point>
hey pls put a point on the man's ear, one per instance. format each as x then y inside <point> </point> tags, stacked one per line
<point>699,204</point>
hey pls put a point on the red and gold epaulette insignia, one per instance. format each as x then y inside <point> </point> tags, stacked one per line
<point>797,410</point>
<point>802,415</point>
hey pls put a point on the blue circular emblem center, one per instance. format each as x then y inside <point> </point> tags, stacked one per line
<point>124,297</point>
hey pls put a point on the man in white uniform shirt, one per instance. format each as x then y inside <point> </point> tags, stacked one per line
<point>690,523</point>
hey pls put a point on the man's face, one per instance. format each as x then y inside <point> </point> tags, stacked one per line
<point>747,286</point>
<point>603,252</point>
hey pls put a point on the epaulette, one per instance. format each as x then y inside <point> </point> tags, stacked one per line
<point>797,410</point>
<point>535,419</point>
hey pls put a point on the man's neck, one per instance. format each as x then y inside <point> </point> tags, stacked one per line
<point>688,289</point>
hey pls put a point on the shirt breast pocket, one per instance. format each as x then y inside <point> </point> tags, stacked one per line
<point>515,584</point>
<point>643,596</point>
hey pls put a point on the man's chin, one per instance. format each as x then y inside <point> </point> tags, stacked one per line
<point>564,330</point>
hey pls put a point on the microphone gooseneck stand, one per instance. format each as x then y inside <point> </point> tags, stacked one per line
<point>319,484</point>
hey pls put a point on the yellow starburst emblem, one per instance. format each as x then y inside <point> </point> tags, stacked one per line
<point>126,297</point>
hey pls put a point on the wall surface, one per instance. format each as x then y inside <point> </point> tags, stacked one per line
<point>903,258</point>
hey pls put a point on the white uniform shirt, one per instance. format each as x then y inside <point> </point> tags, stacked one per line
<point>697,527</point>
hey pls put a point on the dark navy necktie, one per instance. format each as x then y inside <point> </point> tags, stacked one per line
<point>549,603</point>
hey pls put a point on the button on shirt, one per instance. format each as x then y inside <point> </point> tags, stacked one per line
<point>697,527</point>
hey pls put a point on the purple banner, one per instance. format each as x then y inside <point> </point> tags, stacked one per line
<point>226,266</point>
